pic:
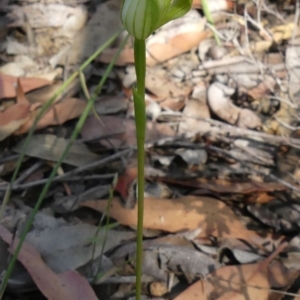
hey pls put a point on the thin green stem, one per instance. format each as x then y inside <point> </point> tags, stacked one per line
<point>140,65</point>
<point>55,168</point>
<point>140,124</point>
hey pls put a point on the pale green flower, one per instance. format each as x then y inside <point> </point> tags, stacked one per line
<point>142,17</point>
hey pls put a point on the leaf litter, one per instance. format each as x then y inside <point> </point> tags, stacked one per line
<point>222,167</point>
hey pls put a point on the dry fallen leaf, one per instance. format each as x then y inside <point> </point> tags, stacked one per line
<point>210,215</point>
<point>247,281</point>
<point>8,85</point>
<point>218,98</point>
<point>61,112</point>
<point>174,46</point>
<point>67,286</point>
<point>230,283</point>
<point>15,116</point>
<point>280,276</point>
<point>50,147</point>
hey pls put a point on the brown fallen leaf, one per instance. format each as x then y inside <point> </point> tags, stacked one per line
<point>279,276</point>
<point>8,85</point>
<point>184,42</point>
<point>15,116</point>
<point>230,283</point>
<point>248,281</point>
<point>61,112</point>
<point>67,286</point>
<point>212,216</point>
<point>125,57</point>
<point>158,52</point>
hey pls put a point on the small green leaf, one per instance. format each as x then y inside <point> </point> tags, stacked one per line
<point>178,8</point>
<point>142,17</point>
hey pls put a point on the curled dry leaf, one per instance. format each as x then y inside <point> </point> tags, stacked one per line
<point>210,215</point>
<point>220,103</point>
<point>176,37</point>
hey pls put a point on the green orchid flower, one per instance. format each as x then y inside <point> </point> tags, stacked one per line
<point>142,17</point>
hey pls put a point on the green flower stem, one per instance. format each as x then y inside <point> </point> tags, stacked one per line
<point>141,18</point>
<point>140,124</point>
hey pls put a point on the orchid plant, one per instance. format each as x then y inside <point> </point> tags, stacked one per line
<point>141,18</point>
